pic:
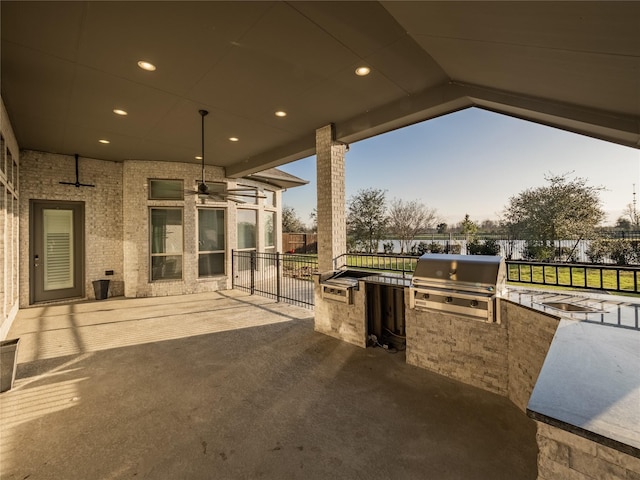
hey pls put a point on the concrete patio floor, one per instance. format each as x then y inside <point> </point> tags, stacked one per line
<point>231,386</point>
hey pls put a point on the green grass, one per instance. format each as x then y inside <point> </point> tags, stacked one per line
<point>570,276</point>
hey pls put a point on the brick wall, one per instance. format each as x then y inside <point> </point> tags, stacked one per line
<point>530,335</point>
<point>339,320</point>
<point>332,233</point>
<point>565,456</point>
<point>136,229</point>
<point>117,220</point>
<point>467,350</point>
<point>40,174</point>
<point>503,358</point>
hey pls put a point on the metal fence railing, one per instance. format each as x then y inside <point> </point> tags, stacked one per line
<point>281,276</point>
<point>401,264</point>
<point>289,278</point>
<point>583,276</point>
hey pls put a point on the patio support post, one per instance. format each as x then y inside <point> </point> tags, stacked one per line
<point>331,212</point>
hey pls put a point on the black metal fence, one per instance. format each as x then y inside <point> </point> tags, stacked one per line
<point>289,278</point>
<point>281,276</point>
<point>589,276</point>
<point>400,264</point>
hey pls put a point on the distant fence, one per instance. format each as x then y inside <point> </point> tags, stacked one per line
<point>618,247</point>
<point>300,242</point>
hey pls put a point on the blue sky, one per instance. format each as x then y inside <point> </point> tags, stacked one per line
<point>472,162</point>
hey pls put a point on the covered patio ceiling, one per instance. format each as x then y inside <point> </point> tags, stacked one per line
<point>67,65</point>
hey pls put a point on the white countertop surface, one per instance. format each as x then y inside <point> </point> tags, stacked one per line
<point>590,380</point>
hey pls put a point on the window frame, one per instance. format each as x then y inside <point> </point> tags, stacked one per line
<point>164,254</point>
<point>175,199</point>
<point>207,252</point>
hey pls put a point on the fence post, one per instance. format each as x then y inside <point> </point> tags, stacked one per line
<point>233,269</point>
<point>278,276</point>
<point>253,271</point>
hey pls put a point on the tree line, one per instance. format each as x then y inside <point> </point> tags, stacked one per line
<point>566,208</point>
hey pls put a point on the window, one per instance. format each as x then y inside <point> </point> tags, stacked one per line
<point>269,232</point>
<point>166,190</point>
<point>247,221</point>
<point>211,245</point>
<point>166,240</point>
<point>270,200</point>
<point>248,194</point>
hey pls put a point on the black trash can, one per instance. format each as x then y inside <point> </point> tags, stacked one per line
<point>8,363</point>
<point>101,289</point>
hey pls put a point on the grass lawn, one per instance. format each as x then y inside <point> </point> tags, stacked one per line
<point>572,276</point>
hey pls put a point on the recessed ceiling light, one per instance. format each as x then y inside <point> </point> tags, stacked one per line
<point>118,111</point>
<point>233,139</point>
<point>362,71</point>
<point>150,67</point>
<point>198,157</point>
<point>280,113</point>
<point>102,140</point>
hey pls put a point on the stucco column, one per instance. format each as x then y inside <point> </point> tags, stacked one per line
<point>331,210</point>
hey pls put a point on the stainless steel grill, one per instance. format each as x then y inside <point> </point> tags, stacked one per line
<point>460,284</point>
<point>339,286</point>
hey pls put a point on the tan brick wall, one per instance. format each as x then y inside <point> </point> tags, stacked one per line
<point>339,320</point>
<point>461,348</point>
<point>530,335</point>
<point>136,229</point>
<point>331,203</point>
<point>117,220</point>
<point>565,456</point>
<point>40,174</point>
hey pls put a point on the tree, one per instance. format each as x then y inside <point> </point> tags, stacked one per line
<point>313,216</point>
<point>632,215</point>
<point>407,219</point>
<point>366,219</point>
<point>442,227</point>
<point>565,209</point>
<point>290,221</point>
<point>468,227</point>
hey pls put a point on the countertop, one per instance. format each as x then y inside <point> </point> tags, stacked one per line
<point>590,380</point>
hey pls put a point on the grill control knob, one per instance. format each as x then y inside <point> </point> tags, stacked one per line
<point>449,300</point>
<point>425,296</point>
<point>474,303</point>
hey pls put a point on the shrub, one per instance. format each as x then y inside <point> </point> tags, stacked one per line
<point>597,251</point>
<point>540,253</point>
<point>387,247</point>
<point>489,247</point>
<point>434,247</point>
<point>621,251</point>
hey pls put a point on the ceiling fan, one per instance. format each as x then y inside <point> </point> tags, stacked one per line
<point>219,191</point>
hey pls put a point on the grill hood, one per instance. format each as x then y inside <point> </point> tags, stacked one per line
<point>474,273</point>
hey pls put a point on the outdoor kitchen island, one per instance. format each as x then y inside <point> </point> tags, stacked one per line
<point>585,399</point>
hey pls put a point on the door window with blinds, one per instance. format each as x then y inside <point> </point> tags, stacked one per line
<point>58,249</point>
<point>166,238</point>
<point>211,242</point>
